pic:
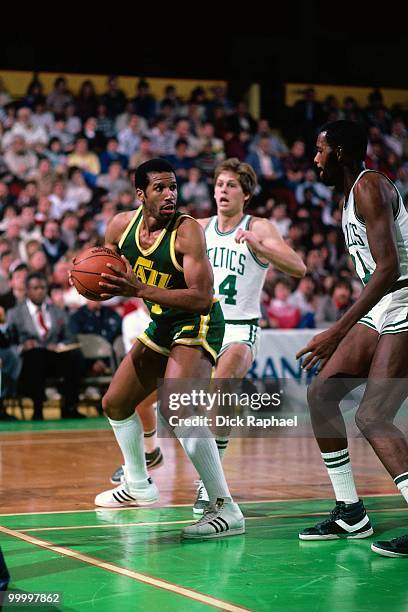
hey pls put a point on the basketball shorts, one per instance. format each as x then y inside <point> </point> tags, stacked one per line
<point>390,315</point>
<point>242,332</point>
<point>192,329</point>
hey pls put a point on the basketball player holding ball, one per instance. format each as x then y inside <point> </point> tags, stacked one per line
<point>168,268</point>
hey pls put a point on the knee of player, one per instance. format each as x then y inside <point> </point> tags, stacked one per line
<point>110,407</point>
<point>316,395</point>
<point>367,419</point>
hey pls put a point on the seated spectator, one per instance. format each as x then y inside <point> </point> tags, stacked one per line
<point>111,154</point>
<point>95,318</point>
<point>130,137</point>
<point>55,154</point>
<point>54,247</point>
<point>113,98</point>
<point>60,204</point>
<point>17,284</point>
<point>109,210</point>
<point>82,158</point>
<point>23,127</point>
<point>241,119</point>
<point>144,103</point>
<point>38,262</point>
<point>40,331</point>
<point>206,134</point>
<point>280,218</point>
<point>104,123</point>
<point>277,146</point>
<point>180,161</point>
<point>162,137</point>
<point>282,313</point>
<point>69,229</point>
<point>86,101</point>
<point>44,176</point>
<point>237,145</point>
<point>59,97</point>
<point>114,181</point>
<point>320,194</point>
<point>207,162</point>
<point>305,298</point>
<point>144,153</point>
<point>195,194</point>
<point>73,123</point>
<point>59,130</point>
<point>77,188</point>
<point>41,117</point>
<point>295,164</point>
<point>96,139</point>
<point>333,306</point>
<point>20,161</point>
<point>268,167</point>
<point>10,368</point>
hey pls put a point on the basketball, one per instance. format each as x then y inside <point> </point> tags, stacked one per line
<point>88,267</point>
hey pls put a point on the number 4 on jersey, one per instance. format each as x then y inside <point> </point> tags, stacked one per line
<point>227,288</point>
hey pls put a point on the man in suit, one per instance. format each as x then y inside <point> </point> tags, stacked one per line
<point>40,331</point>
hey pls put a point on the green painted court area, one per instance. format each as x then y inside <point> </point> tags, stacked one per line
<point>150,568</point>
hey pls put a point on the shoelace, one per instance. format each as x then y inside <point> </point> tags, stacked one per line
<point>334,514</point>
<point>209,515</point>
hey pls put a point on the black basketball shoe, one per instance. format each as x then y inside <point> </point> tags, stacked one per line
<point>153,461</point>
<point>398,547</point>
<point>345,521</point>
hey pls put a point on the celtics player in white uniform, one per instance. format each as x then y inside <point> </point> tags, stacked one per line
<point>370,340</point>
<point>240,248</point>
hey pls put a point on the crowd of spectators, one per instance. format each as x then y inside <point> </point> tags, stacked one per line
<point>66,163</point>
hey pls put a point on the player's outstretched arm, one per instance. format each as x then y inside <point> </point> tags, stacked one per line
<point>265,241</point>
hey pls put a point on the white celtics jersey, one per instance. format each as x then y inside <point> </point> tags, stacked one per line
<point>355,234</point>
<point>238,274</point>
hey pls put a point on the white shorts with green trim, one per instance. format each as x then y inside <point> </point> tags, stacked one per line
<point>390,315</point>
<point>241,332</point>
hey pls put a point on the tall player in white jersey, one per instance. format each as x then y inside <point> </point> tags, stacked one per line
<point>240,248</point>
<point>370,340</point>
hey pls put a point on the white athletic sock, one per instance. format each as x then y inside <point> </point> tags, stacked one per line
<point>339,469</point>
<point>150,441</point>
<point>129,435</point>
<point>204,455</point>
<point>222,443</point>
<point>402,483</point>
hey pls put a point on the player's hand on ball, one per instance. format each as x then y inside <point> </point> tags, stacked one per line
<point>124,283</point>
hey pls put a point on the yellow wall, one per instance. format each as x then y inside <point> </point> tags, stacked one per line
<point>391,96</point>
<point>16,83</point>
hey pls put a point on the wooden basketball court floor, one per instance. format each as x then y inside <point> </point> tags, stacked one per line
<point>54,539</point>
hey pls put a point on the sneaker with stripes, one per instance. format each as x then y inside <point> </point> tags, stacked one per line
<point>219,521</point>
<point>345,521</point>
<point>202,500</point>
<point>125,495</point>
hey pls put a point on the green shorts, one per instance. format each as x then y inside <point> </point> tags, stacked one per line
<point>206,331</point>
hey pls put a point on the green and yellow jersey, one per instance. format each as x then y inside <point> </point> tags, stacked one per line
<point>158,266</point>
